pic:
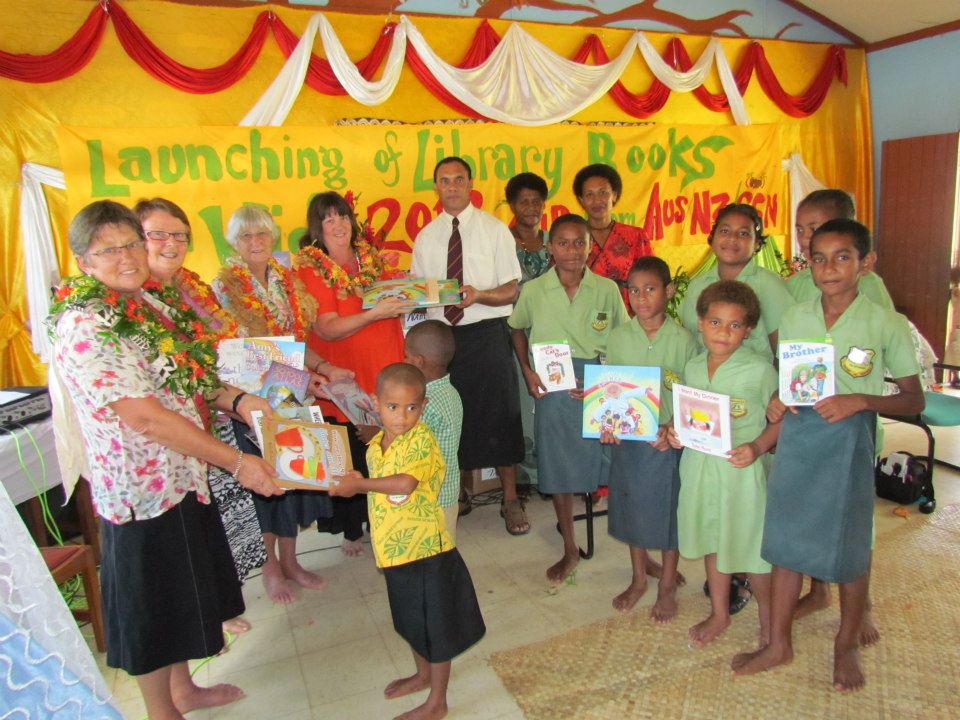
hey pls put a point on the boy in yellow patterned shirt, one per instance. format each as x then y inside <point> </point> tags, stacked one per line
<point>432,599</point>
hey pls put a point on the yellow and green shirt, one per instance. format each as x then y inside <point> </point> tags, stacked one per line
<point>411,527</point>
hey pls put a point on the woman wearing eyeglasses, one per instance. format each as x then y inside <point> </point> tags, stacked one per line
<point>267,299</point>
<point>614,246</point>
<point>139,369</point>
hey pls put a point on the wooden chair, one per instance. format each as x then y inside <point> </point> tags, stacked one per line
<point>67,562</point>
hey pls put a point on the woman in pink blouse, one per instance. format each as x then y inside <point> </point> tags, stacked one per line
<point>141,373</point>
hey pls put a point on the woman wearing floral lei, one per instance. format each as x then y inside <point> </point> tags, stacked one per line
<point>266,299</point>
<point>167,232</point>
<point>139,373</point>
<point>336,264</point>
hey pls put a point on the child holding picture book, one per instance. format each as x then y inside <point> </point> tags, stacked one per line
<point>644,480</point>
<point>722,499</point>
<point>432,599</point>
<point>568,305</point>
<point>820,502</point>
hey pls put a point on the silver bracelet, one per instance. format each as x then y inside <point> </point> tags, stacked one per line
<point>236,470</point>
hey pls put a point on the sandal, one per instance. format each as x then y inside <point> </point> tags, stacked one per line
<point>515,517</point>
<point>464,506</point>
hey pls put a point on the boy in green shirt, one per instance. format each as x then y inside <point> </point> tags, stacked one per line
<point>819,516</point>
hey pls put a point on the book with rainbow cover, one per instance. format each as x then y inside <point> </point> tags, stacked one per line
<point>622,399</point>
<point>419,292</point>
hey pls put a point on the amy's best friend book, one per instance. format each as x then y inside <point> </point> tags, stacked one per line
<point>621,399</point>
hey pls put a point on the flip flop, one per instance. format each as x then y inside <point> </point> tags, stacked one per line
<point>514,516</point>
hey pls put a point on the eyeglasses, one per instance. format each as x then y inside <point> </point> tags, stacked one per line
<point>262,235</point>
<point>163,236</point>
<point>114,252</point>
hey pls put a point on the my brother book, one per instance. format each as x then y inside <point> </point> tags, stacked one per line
<point>554,364</point>
<point>621,399</point>
<point>807,371</point>
<point>702,419</point>
<point>420,292</point>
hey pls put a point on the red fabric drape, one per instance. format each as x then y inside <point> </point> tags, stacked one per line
<point>641,105</point>
<point>320,75</point>
<point>485,39</point>
<point>169,71</point>
<point>812,98</point>
<point>63,62</point>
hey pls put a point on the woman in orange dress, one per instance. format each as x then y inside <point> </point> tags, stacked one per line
<point>336,265</point>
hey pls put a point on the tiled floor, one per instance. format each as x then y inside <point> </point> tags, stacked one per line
<point>329,655</point>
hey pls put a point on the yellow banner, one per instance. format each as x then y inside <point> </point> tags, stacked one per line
<point>675,178</point>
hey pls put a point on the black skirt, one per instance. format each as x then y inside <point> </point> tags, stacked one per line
<point>348,514</point>
<point>168,583</point>
<point>484,372</point>
<point>434,606</point>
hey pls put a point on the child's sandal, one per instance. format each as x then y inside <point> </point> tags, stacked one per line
<point>515,517</point>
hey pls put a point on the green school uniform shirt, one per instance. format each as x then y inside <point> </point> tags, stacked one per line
<point>869,342</point>
<point>671,349</point>
<point>802,287</point>
<point>443,414</point>
<point>583,323</point>
<point>770,289</point>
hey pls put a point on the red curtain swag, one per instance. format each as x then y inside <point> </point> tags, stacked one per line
<point>76,52</point>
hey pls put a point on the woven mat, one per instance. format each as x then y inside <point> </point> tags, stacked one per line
<point>626,667</point>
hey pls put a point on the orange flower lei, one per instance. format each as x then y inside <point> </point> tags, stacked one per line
<point>338,278</point>
<point>190,284</point>
<point>251,302</point>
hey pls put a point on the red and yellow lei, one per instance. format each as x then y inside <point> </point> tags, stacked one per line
<point>258,312</point>
<point>201,294</point>
<point>370,268</point>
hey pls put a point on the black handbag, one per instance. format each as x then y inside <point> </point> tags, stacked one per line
<point>902,477</point>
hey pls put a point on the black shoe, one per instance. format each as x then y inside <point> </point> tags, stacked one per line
<point>465,506</point>
<point>739,593</point>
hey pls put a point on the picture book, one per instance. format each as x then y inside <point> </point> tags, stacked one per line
<point>244,362</point>
<point>285,385</point>
<point>702,419</point>
<point>306,455</point>
<point>807,371</point>
<point>554,364</point>
<point>311,413</point>
<point>352,401</point>
<point>621,399</point>
<point>420,292</point>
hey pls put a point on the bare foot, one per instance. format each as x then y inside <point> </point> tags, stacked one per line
<point>278,588</point>
<point>708,630</point>
<point>817,599</point>
<point>559,572</point>
<point>405,686</point>
<point>665,608</point>
<point>425,712</point>
<point>303,578</point>
<point>655,570</point>
<point>767,657</point>
<point>236,626</point>
<point>625,601</point>
<point>213,696</point>
<point>351,548</point>
<point>847,673</point>
<point>869,635</point>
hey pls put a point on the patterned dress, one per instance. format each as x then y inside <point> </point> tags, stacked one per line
<point>624,246</point>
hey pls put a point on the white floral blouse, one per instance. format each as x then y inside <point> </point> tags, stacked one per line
<point>132,478</point>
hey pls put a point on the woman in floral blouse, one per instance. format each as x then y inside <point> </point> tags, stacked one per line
<point>336,263</point>
<point>615,247</point>
<point>140,370</point>
<point>266,299</point>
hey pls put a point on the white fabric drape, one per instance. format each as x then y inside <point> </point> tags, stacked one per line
<point>523,82</point>
<point>42,272</point>
<point>31,601</point>
<point>802,183</point>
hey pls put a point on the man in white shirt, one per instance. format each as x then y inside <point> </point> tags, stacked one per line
<point>483,369</point>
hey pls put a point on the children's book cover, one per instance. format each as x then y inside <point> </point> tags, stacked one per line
<point>807,371</point>
<point>420,292</point>
<point>284,385</point>
<point>621,399</point>
<point>352,401</point>
<point>702,419</point>
<point>310,414</point>
<point>244,362</point>
<point>554,364</point>
<point>305,455</point>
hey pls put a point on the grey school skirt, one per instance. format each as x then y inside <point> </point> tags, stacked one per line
<point>819,517</point>
<point>644,488</point>
<point>566,461</point>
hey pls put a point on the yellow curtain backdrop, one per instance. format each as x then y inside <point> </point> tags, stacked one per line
<point>112,91</point>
